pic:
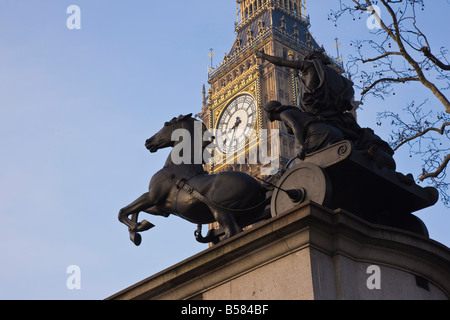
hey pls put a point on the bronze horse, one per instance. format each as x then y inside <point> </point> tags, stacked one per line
<point>233,199</point>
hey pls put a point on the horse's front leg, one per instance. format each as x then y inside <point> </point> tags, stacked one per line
<point>140,204</point>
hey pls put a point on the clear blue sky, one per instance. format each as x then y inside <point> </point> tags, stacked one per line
<point>76,107</point>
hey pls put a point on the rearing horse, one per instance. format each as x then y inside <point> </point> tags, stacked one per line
<point>233,199</point>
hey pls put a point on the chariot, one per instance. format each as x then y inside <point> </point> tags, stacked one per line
<point>341,177</point>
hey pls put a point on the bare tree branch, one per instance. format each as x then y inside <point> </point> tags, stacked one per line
<point>395,31</point>
<point>441,131</point>
<point>402,80</point>
<point>438,171</point>
<point>382,56</point>
<point>428,136</point>
<point>396,37</point>
<point>427,53</point>
<point>398,53</point>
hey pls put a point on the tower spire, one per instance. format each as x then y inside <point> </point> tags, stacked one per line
<point>204,95</point>
<point>211,55</point>
<point>339,59</point>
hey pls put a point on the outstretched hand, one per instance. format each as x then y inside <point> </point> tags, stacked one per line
<point>259,54</point>
<point>301,153</point>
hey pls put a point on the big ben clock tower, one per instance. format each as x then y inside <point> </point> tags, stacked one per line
<point>242,83</point>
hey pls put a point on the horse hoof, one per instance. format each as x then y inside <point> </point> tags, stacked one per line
<point>135,238</point>
<point>145,225</point>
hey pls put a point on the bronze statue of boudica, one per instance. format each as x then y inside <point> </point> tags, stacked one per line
<point>339,165</point>
<point>233,199</point>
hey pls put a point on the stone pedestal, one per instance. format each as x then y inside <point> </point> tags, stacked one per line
<point>307,253</point>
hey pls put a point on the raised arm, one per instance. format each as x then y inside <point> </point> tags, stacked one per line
<point>300,65</point>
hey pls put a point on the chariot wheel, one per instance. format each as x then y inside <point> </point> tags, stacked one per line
<point>304,181</point>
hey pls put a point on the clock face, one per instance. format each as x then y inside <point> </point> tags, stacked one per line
<point>236,124</point>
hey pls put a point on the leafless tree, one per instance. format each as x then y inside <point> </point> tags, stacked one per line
<point>398,52</point>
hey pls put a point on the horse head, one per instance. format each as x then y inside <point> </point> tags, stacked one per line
<point>163,138</point>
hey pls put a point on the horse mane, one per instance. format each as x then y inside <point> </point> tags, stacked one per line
<point>179,119</point>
